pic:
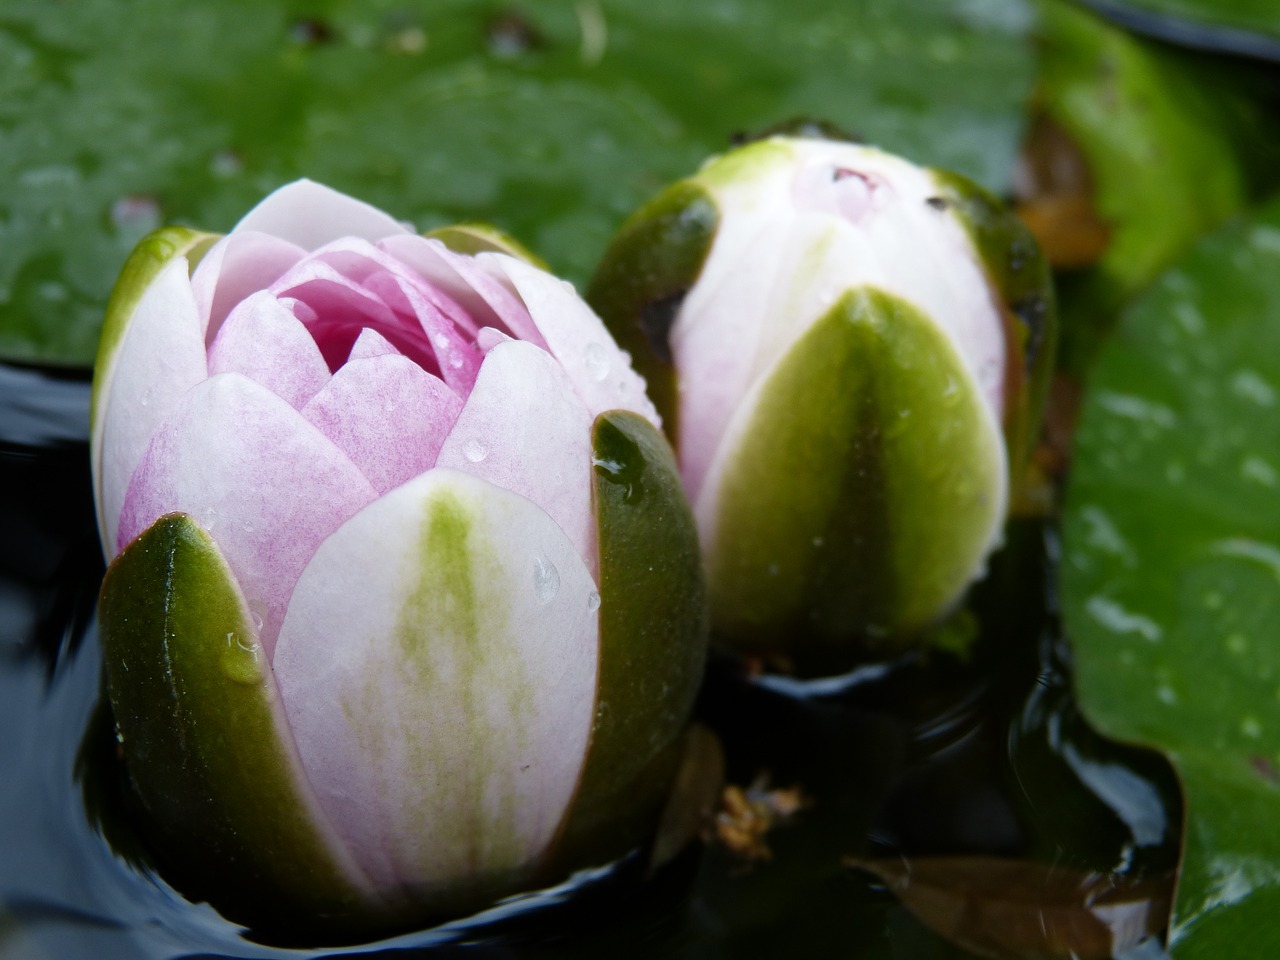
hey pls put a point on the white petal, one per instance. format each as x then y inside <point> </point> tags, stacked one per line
<point>311,215</point>
<point>235,267</point>
<point>599,371</point>
<point>524,429</point>
<point>160,358</point>
<point>438,668</point>
<point>265,342</point>
<point>261,480</point>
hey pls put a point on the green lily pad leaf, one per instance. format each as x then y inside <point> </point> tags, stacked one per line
<point>1248,27</point>
<point>552,121</point>
<point>1172,569</point>
<point>197,717</point>
<point>653,640</point>
<point>1158,134</point>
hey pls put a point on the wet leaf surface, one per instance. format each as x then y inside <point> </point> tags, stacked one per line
<point>1020,909</point>
<point>1172,570</point>
<point>551,121</point>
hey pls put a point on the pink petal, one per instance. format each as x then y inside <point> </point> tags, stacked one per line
<point>437,666</point>
<point>525,430</point>
<point>265,342</point>
<point>483,292</point>
<point>599,371</point>
<point>311,215</point>
<point>457,356</point>
<point>388,415</point>
<point>369,344</point>
<point>264,483</point>
<point>160,358</point>
<point>344,308</point>
<point>365,264</point>
<point>236,266</point>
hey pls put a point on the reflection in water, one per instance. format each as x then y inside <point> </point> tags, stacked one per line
<point>959,782</point>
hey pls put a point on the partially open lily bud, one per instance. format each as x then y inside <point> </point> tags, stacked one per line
<point>850,354</point>
<point>404,608</point>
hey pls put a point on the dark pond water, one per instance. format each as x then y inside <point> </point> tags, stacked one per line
<point>1021,831</point>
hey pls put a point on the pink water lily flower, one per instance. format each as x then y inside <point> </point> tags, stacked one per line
<point>385,616</point>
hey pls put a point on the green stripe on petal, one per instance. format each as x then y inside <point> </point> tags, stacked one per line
<point>146,261</point>
<point>861,496</point>
<point>653,639</point>
<point>198,714</point>
<point>643,277</point>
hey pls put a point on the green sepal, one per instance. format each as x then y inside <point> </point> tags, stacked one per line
<point>197,716</point>
<point>475,237</point>
<point>1021,281</point>
<point>152,254</point>
<point>642,280</point>
<point>653,641</point>
<point>862,495</point>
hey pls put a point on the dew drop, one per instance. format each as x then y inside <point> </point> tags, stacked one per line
<point>247,526</point>
<point>441,341</point>
<point>597,359</point>
<point>456,361</point>
<point>258,614</point>
<point>240,660</point>
<point>145,399</point>
<point>546,580</point>
<point>474,450</point>
<point>593,602</point>
<point>210,519</point>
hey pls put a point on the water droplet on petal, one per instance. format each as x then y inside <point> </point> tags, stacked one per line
<point>546,579</point>
<point>597,359</point>
<point>145,399</point>
<point>593,601</point>
<point>474,450</point>
<point>209,519</point>
<point>456,361</point>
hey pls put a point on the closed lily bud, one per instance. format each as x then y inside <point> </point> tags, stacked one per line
<point>404,608</point>
<point>850,354</point>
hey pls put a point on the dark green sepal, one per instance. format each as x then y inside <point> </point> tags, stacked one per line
<point>642,279</point>
<point>653,641</point>
<point>1022,283</point>
<point>473,238</point>
<point>863,493</point>
<point>195,713</point>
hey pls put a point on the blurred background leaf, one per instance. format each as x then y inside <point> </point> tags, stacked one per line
<point>1172,569</point>
<point>551,120</point>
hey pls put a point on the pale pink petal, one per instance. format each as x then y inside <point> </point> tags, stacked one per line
<point>599,371</point>
<point>265,342</point>
<point>388,415</point>
<point>438,666</point>
<point>490,337</point>
<point>311,215</point>
<point>484,292</point>
<point>524,429</point>
<point>369,344</point>
<point>236,266</point>
<point>266,485</point>
<point>160,357</point>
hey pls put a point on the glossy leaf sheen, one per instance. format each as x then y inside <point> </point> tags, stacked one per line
<point>1015,909</point>
<point>1172,572</point>
<point>198,717</point>
<point>815,490</point>
<point>653,637</point>
<point>554,138</point>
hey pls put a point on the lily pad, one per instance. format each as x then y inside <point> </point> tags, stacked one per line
<point>551,121</point>
<point>1159,131</point>
<point>1172,569</point>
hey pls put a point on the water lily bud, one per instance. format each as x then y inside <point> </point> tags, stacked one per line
<point>850,354</point>
<point>404,608</point>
